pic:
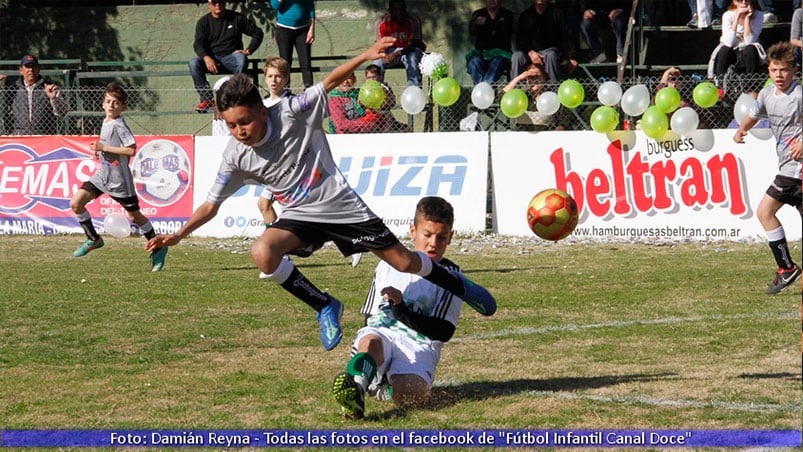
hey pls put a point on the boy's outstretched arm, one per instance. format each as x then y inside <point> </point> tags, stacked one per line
<point>201,216</point>
<point>747,124</point>
<point>340,73</point>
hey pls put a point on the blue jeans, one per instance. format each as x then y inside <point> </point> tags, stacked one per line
<point>487,71</point>
<point>233,63</point>
<point>589,29</point>
<point>768,6</point>
<point>408,61</point>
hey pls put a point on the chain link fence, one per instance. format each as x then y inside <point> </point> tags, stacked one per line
<point>170,111</point>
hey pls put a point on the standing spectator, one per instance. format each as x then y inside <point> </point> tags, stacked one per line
<point>796,35</point>
<point>295,27</point>
<point>768,7</point>
<point>738,45</point>
<point>492,29</point>
<point>37,103</point>
<point>543,38</point>
<point>706,13</point>
<point>782,103</point>
<point>409,46</point>
<point>602,12</point>
<point>219,42</point>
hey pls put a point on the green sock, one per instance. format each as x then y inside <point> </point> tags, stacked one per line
<point>267,225</point>
<point>362,364</point>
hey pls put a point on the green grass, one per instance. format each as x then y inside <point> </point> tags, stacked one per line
<point>586,336</point>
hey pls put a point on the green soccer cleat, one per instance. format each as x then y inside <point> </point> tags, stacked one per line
<point>349,395</point>
<point>88,246</point>
<point>158,259</point>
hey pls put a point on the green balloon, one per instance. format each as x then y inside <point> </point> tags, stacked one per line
<point>768,83</point>
<point>667,99</point>
<point>514,103</point>
<point>571,93</point>
<point>604,119</point>
<point>654,123</point>
<point>446,92</point>
<point>705,94</point>
<point>372,95</point>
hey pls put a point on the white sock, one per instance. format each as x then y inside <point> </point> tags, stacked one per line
<point>283,271</point>
<point>426,264</point>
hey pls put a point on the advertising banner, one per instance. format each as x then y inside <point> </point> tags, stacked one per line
<point>630,187</point>
<point>391,172</point>
<point>39,175</point>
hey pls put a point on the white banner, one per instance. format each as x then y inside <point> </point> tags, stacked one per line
<point>628,186</point>
<point>391,172</point>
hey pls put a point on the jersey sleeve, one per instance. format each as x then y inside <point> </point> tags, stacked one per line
<point>124,133</point>
<point>227,181</point>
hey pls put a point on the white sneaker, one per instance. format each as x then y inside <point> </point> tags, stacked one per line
<point>601,58</point>
<point>619,59</point>
<point>770,18</point>
<point>355,259</point>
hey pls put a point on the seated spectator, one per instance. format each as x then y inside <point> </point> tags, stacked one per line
<point>673,77</point>
<point>795,35</point>
<point>346,114</point>
<point>600,13</point>
<point>738,45</point>
<point>389,123</point>
<point>531,81</point>
<point>543,38</point>
<point>219,42</point>
<point>409,47</point>
<point>37,103</point>
<point>492,29</point>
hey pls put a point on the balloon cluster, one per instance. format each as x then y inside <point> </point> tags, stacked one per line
<point>433,65</point>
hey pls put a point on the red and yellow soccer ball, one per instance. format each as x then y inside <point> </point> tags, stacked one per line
<point>552,214</point>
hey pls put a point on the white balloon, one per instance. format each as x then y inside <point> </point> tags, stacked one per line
<point>703,139</point>
<point>684,121</point>
<point>117,225</point>
<point>609,93</point>
<point>762,131</point>
<point>547,103</point>
<point>413,100</point>
<point>742,107</point>
<point>636,100</point>
<point>482,96</point>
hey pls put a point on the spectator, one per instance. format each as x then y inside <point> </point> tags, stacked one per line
<point>673,77</point>
<point>389,123</point>
<point>796,35</point>
<point>738,45</point>
<point>532,82</point>
<point>37,103</point>
<point>543,38</point>
<point>706,13</point>
<point>492,29</point>
<point>409,46</point>
<point>599,12</point>
<point>346,114</point>
<point>295,27</point>
<point>408,320</point>
<point>219,42</point>
<point>768,7</point>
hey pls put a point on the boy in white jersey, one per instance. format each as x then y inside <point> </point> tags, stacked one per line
<point>113,177</point>
<point>782,102</point>
<point>408,320</point>
<point>284,148</point>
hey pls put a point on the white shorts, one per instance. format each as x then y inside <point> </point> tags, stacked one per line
<point>402,355</point>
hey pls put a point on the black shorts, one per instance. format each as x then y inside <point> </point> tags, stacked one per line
<point>349,238</point>
<point>130,204</point>
<point>787,190</point>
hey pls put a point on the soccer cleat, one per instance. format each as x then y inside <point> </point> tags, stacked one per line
<point>88,246</point>
<point>355,259</point>
<point>205,106</point>
<point>477,297</point>
<point>349,395</point>
<point>783,279</point>
<point>158,259</point>
<point>329,318</point>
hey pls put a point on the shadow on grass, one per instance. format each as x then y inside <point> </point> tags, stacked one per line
<point>779,376</point>
<point>446,396</point>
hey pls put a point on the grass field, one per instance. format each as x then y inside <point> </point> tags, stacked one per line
<point>590,336</point>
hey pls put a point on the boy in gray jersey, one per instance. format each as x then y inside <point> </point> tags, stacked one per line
<point>285,149</point>
<point>113,177</point>
<point>782,103</point>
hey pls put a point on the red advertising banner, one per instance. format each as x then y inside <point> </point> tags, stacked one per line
<point>39,175</point>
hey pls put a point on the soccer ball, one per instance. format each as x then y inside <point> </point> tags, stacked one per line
<point>552,214</point>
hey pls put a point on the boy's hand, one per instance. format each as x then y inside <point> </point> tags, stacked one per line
<point>392,294</point>
<point>161,241</point>
<point>377,51</point>
<point>96,147</point>
<point>797,150</point>
<point>738,137</point>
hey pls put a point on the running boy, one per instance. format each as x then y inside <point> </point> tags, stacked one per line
<point>113,177</point>
<point>782,103</point>
<point>409,319</point>
<point>286,150</point>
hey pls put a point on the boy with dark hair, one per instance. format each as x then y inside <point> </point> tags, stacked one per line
<point>113,177</point>
<point>285,149</point>
<point>782,103</point>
